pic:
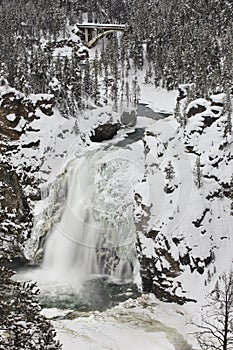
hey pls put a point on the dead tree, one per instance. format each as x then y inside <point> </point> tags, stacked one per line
<point>216,329</point>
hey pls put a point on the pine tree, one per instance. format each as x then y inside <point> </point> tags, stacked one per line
<point>66,73</point>
<point>177,112</point>
<point>76,80</point>
<point>87,82</point>
<point>169,171</point>
<point>95,90</point>
<point>114,92</point>
<point>127,93</point>
<point>148,74</point>
<point>157,76</point>
<point>197,172</point>
<point>21,324</point>
<point>135,91</point>
<point>76,128</point>
<point>122,89</point>
<point>228,110</point>
<point>106,83</point>
<point>231,195</point>
<point>128,66</point>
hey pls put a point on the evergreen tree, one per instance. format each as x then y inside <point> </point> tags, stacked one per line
<point>122,90</point>
<point>228,111</point>
<point>95,90</point>
<point>76,128</point>
<point>231,195</point>
<point>148,74</point>
<point>127,93</point>
<point>177,112</point>
<point>114,92</point>
<point>135,91</point>
<point>106,83</point>
<point>76,81</point>
<point>87,82</point>
<point>197,172</point>
<point>21,324</point>
<point>169,171</point>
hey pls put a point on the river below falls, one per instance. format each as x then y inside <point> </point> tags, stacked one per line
<point>105,313</point>
<point>142,323</point>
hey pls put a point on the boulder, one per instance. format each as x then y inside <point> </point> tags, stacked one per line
<point>209,121</point>
<point>129,118</point>
<point>104,132</point>
<point>196,109</point>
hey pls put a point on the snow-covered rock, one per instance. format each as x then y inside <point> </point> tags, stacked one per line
<point>183,234</point>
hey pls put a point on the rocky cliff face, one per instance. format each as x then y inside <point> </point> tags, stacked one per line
<point>19,178</point>
<point>184,222</point>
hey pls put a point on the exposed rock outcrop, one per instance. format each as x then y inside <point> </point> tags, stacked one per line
<point>104,132</point>
<point>129,118</point>
<point>17,112</point>
<point>19,181</point>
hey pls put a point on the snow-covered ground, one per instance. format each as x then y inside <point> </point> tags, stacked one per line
<point>144,323</point>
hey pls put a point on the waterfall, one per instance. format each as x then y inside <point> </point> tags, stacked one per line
<point>96,232</point>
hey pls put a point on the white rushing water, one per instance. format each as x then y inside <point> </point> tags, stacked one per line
<point>96,232</point>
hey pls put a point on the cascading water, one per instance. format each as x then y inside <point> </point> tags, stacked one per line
<point>96,232</point>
